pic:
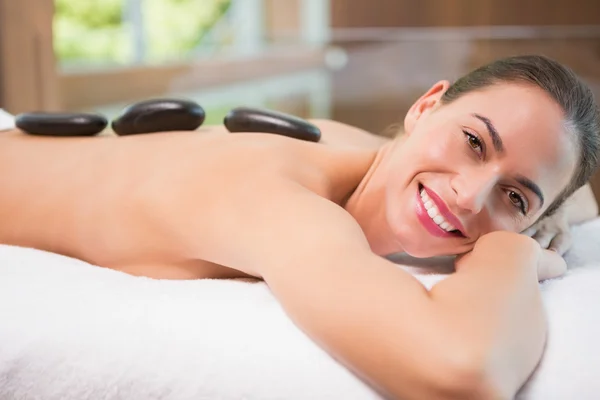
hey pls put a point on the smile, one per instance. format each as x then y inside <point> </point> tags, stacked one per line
<point>435,216</point>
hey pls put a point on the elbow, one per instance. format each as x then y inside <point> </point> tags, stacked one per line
<point>459,375</point>
<point>471,383</point>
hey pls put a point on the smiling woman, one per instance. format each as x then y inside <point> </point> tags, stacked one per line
<point>499,149</point>
<point>480,160</point>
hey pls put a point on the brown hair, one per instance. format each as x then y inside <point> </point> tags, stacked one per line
<point>577,101</point>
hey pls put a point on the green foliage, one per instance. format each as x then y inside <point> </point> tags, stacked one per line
<point>90,31</point>
<point>175,27</point>
<point>94,14</point>
<point>94,31</point>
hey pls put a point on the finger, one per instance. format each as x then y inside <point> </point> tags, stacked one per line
<point>551,265</point>
<point>544,238</point>
<point>561,243</point>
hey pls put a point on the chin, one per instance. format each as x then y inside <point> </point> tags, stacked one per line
<point>414,244</point>
<point>417,242</point>
<point>432,252</point>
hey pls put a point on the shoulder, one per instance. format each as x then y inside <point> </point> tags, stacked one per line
<point>338,133</point>
<point>275,223</point>
<point>304,227</point>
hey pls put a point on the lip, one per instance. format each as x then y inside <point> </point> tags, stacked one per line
<point>428,223</point>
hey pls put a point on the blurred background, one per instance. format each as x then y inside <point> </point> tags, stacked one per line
<point>361,62</point>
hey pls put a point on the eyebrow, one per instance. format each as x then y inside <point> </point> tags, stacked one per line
<point>499,147</point>
<point>529,184</point>
<point>496,139</point>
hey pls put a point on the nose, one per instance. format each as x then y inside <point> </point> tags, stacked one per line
<point>473,190</point>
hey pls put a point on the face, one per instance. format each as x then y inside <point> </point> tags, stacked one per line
<point>491,160</point>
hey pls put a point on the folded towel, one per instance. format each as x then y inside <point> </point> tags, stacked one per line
<point>70,330</point>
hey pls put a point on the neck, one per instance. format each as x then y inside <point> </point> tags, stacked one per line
<point>367,205</point>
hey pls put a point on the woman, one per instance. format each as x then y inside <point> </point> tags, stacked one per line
<point>479,161</point>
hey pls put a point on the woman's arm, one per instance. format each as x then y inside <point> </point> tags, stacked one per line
<point>477,334</point>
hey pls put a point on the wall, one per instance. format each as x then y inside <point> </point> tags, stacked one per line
<point>419,13</point>
<point>27,65</point>
<point>282,19</point>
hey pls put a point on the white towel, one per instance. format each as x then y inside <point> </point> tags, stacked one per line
<point>72,331</point>
<point>7,121</point>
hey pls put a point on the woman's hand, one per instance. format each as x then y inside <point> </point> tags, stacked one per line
<point>551,265</point>
<point>553,232</point>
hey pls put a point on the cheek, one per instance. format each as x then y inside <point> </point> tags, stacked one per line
<point>429,154</point>
<point>438,148</point>
<point>442,149</point>
<point>499,218</point>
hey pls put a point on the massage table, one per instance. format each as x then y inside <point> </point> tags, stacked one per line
<point>73,331</point>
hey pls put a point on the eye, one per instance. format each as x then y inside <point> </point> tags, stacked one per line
<point>518,201</point>
<point>474,142</point>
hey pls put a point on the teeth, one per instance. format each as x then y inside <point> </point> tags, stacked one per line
<point>434,213</point>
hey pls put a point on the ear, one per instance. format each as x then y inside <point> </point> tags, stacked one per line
<point>424,104</point>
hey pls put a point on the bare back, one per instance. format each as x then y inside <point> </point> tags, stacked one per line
<point>150,204</point>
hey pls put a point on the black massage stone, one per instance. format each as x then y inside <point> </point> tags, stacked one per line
<point>244,119</point>
<point>61,124</point>
<point>159,115</point>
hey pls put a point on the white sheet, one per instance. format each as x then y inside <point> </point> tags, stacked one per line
<point>72,331</point>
